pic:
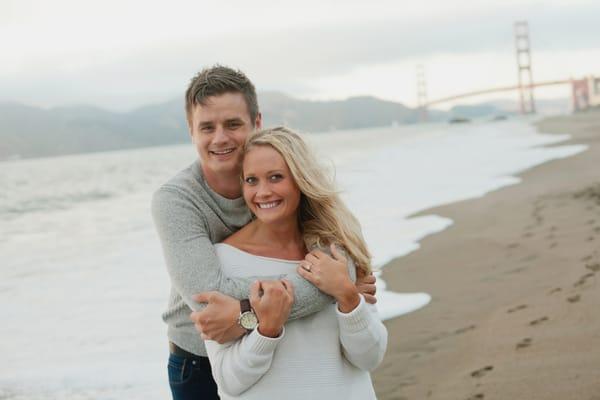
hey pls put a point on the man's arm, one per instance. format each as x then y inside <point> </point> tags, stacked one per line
<point>192,262</point>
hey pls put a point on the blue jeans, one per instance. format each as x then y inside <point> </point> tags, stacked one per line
<point>191,378</point>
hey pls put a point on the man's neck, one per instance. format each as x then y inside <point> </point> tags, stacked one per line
<point>227,185</point>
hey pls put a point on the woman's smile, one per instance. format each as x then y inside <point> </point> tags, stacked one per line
<point>271,204</point>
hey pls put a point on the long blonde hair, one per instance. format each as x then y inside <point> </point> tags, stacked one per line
<point>323,217</point>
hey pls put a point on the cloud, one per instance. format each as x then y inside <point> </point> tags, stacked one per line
<point>292,57</point>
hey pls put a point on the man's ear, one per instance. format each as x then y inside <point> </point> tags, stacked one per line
<point>190,132</point>
<point>258,122</point>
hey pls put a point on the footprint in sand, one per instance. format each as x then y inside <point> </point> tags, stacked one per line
<point>513,245</point>
<point>574,299</point>
<point>555,290</point>
<point>553,245</point>
<point>482,371</point>
<point>591,239</point>
<point>523,343</point>
<point>465,329</point>
<point>517,308</point>
<point>583,279</point>
<point>516,270</point>
<point>593,267</point>
<point>587,258</point>
<point>538,321</point>
<point>539,220</point>
<point>477,396</point>
<point>528,234</point>
<point>528,258</point>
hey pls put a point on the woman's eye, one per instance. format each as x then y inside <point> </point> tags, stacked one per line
<point>250,180</point>
<point>276,177</point>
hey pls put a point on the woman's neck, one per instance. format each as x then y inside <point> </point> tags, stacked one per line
<point>280,234</point>
<point>279,240</point>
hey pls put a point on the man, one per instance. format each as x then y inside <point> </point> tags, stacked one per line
<point>200,206</point>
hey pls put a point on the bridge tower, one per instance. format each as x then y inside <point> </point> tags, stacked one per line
<point>524,67</point>
<point>421,93</point>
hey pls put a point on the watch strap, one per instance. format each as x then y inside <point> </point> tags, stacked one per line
<point>245,306</point>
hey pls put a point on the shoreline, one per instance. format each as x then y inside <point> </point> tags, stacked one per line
<point>510,281</point>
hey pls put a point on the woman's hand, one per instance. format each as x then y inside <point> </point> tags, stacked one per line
<point>331,276</point>
<point>272,302</point>
<point>366,285</point>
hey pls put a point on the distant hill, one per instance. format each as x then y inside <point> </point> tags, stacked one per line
<point>35,132</point>
<point>509,107</point>
<point>317,116</point>
<point>32,132</point>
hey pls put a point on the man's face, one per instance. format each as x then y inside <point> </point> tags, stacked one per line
<point>219,129</point>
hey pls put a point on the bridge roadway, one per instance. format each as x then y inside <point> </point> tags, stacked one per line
<point>496,90</point>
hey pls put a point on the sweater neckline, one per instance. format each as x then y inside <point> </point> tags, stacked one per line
<point>238,250</point>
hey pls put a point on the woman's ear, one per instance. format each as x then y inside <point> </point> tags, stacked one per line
<point>258,122</point>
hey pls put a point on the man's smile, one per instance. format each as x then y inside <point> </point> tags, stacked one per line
<point>222,152</point>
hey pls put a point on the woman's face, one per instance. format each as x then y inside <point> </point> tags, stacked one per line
<point>269,188</point>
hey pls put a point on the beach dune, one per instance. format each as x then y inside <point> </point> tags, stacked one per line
<point>514,285</point>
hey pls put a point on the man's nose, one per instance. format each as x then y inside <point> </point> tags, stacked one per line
<point>220,135</point>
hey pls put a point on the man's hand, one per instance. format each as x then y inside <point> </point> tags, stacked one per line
<point>272,302</point>
<point>218,321</point>
<point>366,286</point>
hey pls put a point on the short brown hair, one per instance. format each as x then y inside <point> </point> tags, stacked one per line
<point>218,80</point>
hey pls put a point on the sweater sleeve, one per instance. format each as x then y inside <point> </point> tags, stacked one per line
<point>192,262</point>
<point>363,336</point>
<point>238,365</point>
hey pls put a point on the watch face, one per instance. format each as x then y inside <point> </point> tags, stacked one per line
<point>248,320</point>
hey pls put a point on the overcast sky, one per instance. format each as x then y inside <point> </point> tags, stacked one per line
<point>122,54</point>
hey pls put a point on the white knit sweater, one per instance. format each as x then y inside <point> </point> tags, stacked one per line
<point>323,356</point>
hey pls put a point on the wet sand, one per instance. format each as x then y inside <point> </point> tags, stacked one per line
<point>515,312</point>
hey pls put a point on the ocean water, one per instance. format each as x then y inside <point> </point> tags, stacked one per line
<point>82,280</point>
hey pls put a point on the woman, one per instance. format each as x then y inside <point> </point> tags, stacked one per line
<point>326,355</point>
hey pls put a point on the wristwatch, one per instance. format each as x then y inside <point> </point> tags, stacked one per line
<point>247,319</point>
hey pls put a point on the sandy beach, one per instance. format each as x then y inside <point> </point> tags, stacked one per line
<point>515,308</point>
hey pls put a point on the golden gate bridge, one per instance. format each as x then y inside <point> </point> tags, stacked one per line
<point>585,92</point>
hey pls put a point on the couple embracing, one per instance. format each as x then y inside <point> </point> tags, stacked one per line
<point>271,286</point>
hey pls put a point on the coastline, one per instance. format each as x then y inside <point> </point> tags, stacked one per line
<point>513,310</point>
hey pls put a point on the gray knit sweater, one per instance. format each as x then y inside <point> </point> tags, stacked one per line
<point>190,217</point>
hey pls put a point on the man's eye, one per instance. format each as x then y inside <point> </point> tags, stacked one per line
<point>206,129</point>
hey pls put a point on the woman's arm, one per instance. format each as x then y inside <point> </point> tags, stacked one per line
<point>237,366</point>
<point>362,334</point>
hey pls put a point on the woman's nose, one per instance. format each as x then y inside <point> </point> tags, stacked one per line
<point>264,190</point>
